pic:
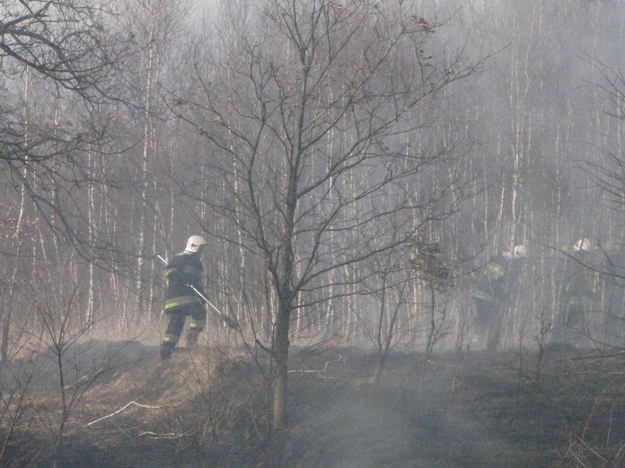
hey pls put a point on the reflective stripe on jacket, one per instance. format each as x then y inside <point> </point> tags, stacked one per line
<point>479,294</point>
<point>180,301</point>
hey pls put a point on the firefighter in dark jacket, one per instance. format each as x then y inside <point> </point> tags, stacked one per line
<point>578,297</point>
<point>486,292</point>
<point>491,292</point>
<point>184,274</point>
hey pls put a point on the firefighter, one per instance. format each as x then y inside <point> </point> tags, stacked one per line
<point>184,274</point>
<point>578,295</point>
<point>487,292</point>
<point>494,292</point>
<point>614,293</point>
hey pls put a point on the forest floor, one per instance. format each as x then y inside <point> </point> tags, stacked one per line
<point>127,408</point>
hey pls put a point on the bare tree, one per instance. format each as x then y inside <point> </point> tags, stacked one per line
<point>61,115</point>
<point>387,281</point>
<point>608,175</point>
<point>57,63</point>
<point>70,365</point>
<point>433,270</point>
<point>313,127</point>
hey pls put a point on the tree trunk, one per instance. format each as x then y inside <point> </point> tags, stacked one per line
<point>281,356</point>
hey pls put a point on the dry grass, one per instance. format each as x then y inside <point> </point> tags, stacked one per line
<point>208,408</point>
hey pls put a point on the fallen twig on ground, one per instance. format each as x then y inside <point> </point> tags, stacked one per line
<point>133,402</point>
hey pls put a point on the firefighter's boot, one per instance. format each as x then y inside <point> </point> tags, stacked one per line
<point>192,337</point>
<point>166,350</point>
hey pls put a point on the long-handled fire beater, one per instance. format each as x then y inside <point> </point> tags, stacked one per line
<point>231,322</point>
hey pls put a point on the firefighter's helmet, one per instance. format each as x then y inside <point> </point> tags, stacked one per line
<point>583,244</point>
<point>194,243</point>
<point>519,251</point>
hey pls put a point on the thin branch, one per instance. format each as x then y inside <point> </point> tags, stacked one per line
<point>123,408</point>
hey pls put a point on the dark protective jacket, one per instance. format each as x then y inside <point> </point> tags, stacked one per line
<point>579,277</point>
<point>183,271</point>
<point>490,282</point>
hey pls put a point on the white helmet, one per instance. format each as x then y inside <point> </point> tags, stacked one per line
<point>583,244</point>
<point>194,243</point>
<point>519,251</point>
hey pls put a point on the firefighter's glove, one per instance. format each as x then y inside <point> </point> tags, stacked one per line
<point>232,323</point>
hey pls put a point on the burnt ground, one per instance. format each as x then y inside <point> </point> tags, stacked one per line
<point>127,408</point>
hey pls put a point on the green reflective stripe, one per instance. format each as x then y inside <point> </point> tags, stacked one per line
<point>196,325</point>
<point>481,295</point>
<point>580,301</point>
<point>170,340</point>
<point>180,301</point>
<point>169,271</point>
<point>494,271</point>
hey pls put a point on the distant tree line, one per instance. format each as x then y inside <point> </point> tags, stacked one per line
<point>350,162</point>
